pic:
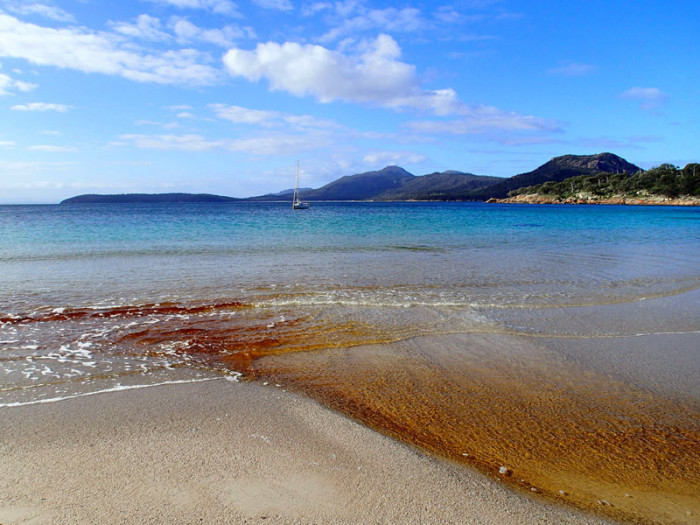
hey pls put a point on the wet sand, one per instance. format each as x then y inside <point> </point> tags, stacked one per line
<point>524,411</point>
<point>226,452</point>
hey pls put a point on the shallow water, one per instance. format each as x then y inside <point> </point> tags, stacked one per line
<point>558,343</point>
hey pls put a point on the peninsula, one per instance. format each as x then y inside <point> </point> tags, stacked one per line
<point>664,185</point>
<point>146,198</point>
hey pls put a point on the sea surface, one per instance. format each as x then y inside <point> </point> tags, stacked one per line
<point>554,347</point>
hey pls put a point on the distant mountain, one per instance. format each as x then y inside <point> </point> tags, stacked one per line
<point>147,198</point>
<point>286,194</point>
<point>363,186</point>
<point>559,169</point>
<point>395,184</point>
<point>446,185</point>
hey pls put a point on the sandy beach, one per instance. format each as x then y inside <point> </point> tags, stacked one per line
<point>225,452</point>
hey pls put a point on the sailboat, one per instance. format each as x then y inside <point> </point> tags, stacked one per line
<point>296,201</point>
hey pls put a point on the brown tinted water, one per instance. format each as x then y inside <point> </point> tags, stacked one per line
<point>509,405</point>
<point>480,394</point>
<point>537,423</point>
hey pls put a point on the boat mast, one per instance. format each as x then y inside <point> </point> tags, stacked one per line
<point>295,199</point>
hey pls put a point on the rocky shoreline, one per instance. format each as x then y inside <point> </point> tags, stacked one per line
<point>590,199</point>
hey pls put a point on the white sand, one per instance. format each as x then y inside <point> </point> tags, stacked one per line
<point>223,452</point>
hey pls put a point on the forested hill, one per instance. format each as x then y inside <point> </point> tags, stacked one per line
<point>657,184</point>
<point>559,169</point>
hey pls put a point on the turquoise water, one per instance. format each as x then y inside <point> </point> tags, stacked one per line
<point>74,255</point>
<point>67,274</point>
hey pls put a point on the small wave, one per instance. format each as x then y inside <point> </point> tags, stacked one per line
<point>65,314</point>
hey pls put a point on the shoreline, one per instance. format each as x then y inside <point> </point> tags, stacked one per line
<point>221,452</point>
<point>626,201</point>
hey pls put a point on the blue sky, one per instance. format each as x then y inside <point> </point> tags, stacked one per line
<point>224,96</point>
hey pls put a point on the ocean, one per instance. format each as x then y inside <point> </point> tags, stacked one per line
<point>554,347</point>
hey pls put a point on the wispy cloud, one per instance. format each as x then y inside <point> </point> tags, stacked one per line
<point>573,69</point>
<point>48,148</point>
<point>41,106</point>
<point>181,30</point>
<point>353,18</point>
<point>649,98</point>
<point>93,52</point>
<point>221,7</point>
<point>268,144</point>
<point>188,142</point>
<point>485,119</point>
<point>382,158</point>
<point>607,143</point>
<point>145,27</point>
<point>179,107</point>
<point>164,125</point>
<point>44,9</point>
<point>8,85</point>
<point>187,32</point>
<point>268,118</point>
<point>279,5</point>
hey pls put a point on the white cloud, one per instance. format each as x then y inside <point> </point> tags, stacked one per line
<point>190,142</point>
<point>649,98</point>
<point>266,118</point>
<point>404,20</point>
<point>222,7</point>
<point>241,115</point>
<point>8,84</point>
<point>374,76</point>
<point>573,69</point>
<point>38,8</point>
<point>280,144</point>
<point>7,144</point>
<point>447,14</point>
<point>164,125</point>
<point>91,52</point>
<point>269,144</point>
<point>279,5</point>
<point>41,106</point>
<point>185,31</point>
<point>314,8</point>
<point>146,28</point>
<point>382,158</point>
<point>607,143</point>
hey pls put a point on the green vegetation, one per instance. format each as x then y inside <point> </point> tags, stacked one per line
<point>666,180</point>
